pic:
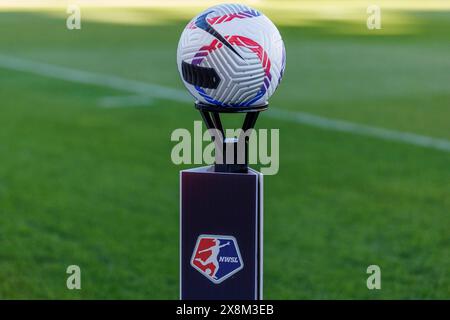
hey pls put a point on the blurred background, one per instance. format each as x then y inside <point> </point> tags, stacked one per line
<point>86,176</point>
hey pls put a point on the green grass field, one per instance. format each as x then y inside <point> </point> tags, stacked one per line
<point>93,186</point>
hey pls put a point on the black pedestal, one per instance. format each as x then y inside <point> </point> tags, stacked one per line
<point>221,219</point>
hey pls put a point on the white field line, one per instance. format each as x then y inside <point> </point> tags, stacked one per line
<point>158,91</point>
<point>125,101</point>
<point>361,129</point>
<point>102,80</point>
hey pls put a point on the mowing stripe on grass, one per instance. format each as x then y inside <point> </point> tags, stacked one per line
<point>158,91</point>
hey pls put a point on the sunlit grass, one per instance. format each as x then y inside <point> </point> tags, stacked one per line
<point>347,17</point>
<point>286,4</point>
<point>283,12</point>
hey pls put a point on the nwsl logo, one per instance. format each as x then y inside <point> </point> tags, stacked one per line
<point>217,257</point>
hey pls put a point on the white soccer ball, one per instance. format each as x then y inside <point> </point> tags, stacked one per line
<point>231,55</point>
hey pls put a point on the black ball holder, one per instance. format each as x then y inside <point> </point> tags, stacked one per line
<point>222,202</point>
<point>211,116</point>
